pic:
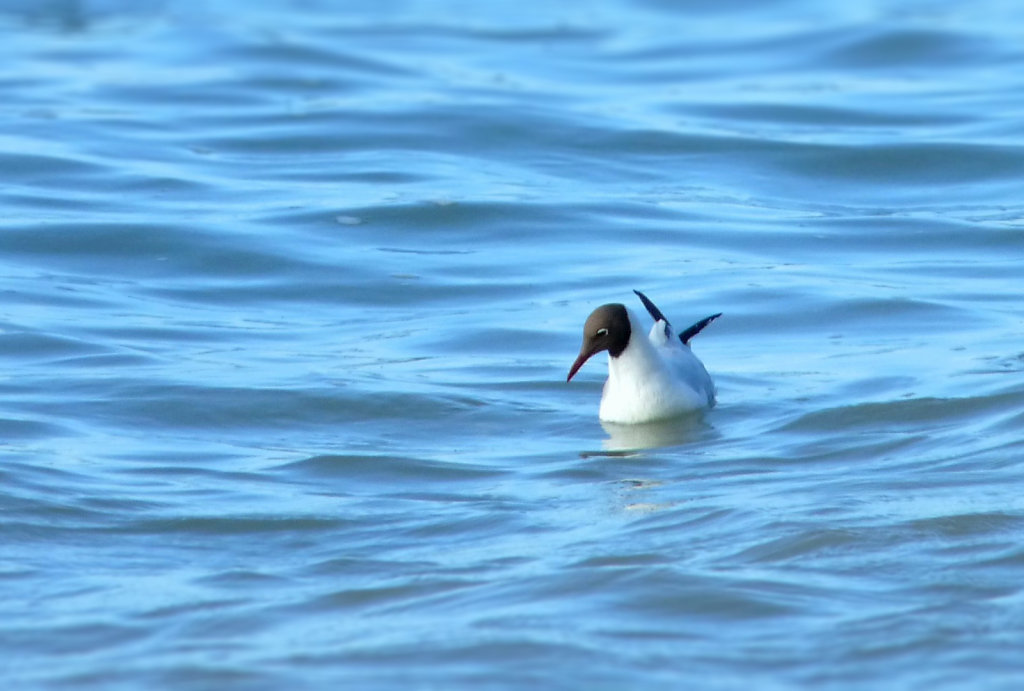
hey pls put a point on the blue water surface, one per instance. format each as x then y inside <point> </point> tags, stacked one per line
<point>291,289</point>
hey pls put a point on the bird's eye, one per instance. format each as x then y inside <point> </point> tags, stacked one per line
<point>602,332</point>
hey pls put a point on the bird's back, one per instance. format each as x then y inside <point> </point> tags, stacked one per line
<point>685,367</point>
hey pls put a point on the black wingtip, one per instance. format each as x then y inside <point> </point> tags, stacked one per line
<point>697,328</point>
<point>652,309</point>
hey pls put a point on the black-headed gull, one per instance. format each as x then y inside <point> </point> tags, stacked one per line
<point>649,378</point>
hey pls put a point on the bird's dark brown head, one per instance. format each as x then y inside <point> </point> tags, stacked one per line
<point>607,328</point>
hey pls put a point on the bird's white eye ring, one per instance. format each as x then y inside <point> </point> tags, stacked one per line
<point>602,332</point>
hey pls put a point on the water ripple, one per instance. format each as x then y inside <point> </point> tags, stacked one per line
<point>290,292</point>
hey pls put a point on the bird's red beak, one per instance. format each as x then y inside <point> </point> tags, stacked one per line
<point>583,357</point>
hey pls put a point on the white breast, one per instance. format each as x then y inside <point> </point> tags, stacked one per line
<point>654,378</point>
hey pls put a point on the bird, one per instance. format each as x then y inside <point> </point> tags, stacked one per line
<point>649,379</point>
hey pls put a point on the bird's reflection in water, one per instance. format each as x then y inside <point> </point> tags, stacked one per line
<point>623,439</point>
<point>640,494</point>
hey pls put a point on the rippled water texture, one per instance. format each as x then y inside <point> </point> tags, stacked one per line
<point>290,292</point>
